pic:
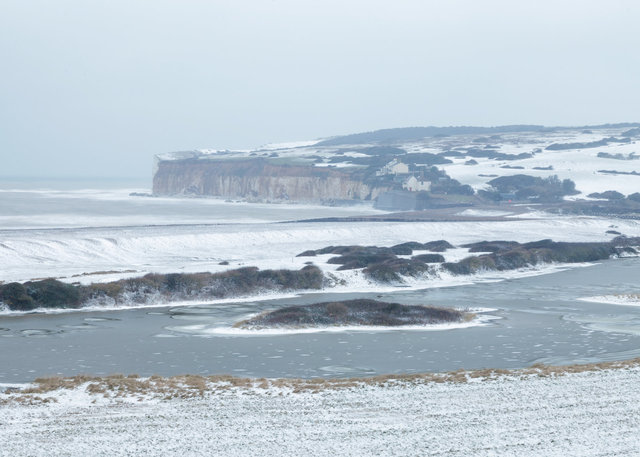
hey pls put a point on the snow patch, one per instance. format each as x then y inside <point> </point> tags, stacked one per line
<point>623,300</point>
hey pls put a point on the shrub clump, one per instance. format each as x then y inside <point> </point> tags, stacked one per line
<point>393,270</point>
<point>470,265</point>
<point>607,195</point>
<point>15,296</point>
<point>634,197</point>
<point>429,258</point>
<point>525,187</point>
<point>437,246</point>
<point>490,246</point>
<point>512,255</point>
<point>353,312</point>
<point>154,287</point>
<point>409,246</point>
<point>47,293</point>
<point>360,251</point>
<point>361,259</point>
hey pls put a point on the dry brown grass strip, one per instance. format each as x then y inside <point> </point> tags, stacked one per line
<point>191,386</point>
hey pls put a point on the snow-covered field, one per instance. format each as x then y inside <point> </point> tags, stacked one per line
<point>78,254</point>
<point>593,413</point>
<point>581,165</point>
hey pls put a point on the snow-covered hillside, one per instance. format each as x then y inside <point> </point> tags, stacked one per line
<point>595,158</point>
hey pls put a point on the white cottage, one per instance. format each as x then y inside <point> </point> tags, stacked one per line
<point>413,184</point>
<point>395,167</point>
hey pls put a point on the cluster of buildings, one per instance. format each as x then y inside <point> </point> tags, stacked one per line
<point>403,175</point>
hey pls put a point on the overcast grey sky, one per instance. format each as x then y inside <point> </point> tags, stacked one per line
<point>96,88</point>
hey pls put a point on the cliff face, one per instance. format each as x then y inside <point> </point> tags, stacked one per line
<point>258,179</point>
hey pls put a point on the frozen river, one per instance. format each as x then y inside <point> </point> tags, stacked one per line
<point>540,319</point>
<point>102,235</point>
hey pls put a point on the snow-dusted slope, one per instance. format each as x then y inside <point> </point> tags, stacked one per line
<point>589,414</point>
<point>76,255</point>
<point>579,163</point>
<point>582,165</point>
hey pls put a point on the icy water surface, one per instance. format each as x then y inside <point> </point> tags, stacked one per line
<point>77,232</point>
<point>540,320</point>
<point>25,205</point>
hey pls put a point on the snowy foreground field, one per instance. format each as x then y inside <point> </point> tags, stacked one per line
<point>592,412</point>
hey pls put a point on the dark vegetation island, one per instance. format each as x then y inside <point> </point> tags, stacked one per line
<point>379,264</point>
<point>153,288</point>
<point>359,312</point>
